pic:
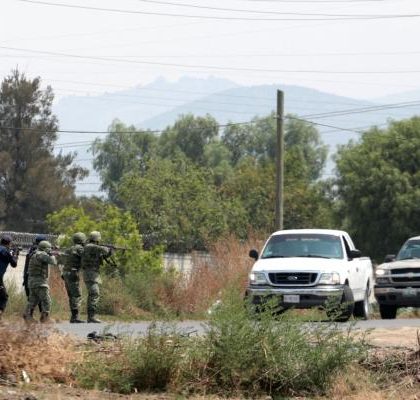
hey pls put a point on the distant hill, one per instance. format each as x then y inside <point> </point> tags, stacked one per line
<point>413,95</point>
<point>160,103</point>
<point>244,103</point>
<point>91,112</point>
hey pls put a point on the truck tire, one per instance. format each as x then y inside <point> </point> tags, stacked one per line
<point>362,308</point>
<point>387,311</point>
<point>344,310</point>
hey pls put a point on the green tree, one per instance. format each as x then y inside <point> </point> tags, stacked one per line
<point>378,186</point>
<point>124,149</point>
<point>189,136</point>
<point>302,142</point>
<point>176,204</point>
<point>33,181</point>
<point>117,227</point>
<point>252,186</point>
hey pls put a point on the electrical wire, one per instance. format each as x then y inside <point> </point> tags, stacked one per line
<point>236,10</point>
<point>121,132</point>
<point>212,67</point>
<point>123,11</point>
<point>363,110</point>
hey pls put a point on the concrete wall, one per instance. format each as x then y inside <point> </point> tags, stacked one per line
<point>15,275</point>
<point>181,262</point>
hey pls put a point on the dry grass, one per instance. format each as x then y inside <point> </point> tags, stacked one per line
<point>228,267</point>
<point>41,352</point>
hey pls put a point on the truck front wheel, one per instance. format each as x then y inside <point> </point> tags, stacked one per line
<point>344,310</point>
<point>387,311</point>
<point>362,308</point>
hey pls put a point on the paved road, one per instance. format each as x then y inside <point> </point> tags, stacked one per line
<point>138,328</point>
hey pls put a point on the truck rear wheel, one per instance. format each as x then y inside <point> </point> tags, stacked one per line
<point>387,311</point>
<point>362,308</point>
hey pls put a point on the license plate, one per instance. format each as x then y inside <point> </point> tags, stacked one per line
<point>291,298</point>
<point>409,292</point>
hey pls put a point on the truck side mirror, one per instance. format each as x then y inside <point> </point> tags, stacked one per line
<point>389,258</point>
<point>253,254</point>
<point>355,253</point>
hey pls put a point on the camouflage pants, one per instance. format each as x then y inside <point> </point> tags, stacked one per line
<point>39,295</point>
<point>72,283</point>
<point>92,282</point>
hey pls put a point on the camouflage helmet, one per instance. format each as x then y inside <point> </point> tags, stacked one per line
<point>95,236</point>
<point>44,245</point>
<point>79,238</point>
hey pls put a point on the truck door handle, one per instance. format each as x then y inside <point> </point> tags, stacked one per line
<point>357,269</point>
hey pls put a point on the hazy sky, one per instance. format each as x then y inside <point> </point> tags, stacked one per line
<point>243,46</point>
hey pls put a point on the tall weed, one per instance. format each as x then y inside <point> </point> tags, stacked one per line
<point>239,354</point>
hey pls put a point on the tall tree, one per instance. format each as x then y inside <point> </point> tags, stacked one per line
<point>379,186</point>
<point>124,149</point>
<point>303,144</point>
<point>175,203</point>
<point>189,136</point>
<point>33,181</point>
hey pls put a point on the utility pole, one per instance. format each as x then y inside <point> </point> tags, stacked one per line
<point>280,160</point>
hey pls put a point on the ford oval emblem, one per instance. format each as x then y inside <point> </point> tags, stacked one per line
<point>292,278</point>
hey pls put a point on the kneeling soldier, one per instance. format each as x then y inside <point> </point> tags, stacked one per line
<point>39,291</point>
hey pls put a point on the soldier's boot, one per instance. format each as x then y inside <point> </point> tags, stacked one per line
<point>28,316</point>
<point>92,318</point>
<point>75,317</point>
<point>45,318</point>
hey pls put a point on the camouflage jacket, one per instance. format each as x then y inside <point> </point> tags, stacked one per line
<point>38,268</point>
<point>93,256</point>
<point>72,258</point>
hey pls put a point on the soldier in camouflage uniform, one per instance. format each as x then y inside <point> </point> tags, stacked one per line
<point>31,252</point>
<point>70,274</point>
<point>39,291</point>
<point>92,258</point>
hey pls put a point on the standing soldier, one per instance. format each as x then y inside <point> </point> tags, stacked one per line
<point>72,264</point>
<point>7,256</point>
<point>39,291</point>
<point>92,259</point>
<point>38,239</point>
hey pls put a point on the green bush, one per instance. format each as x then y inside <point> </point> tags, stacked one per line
<point>275,354</point>
<point>117,227</point>
<point>239,354</point>
<point>148,363</point>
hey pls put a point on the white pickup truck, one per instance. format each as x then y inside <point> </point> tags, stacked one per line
<point>303,268</point>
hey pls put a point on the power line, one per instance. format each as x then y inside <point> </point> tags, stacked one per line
<point>363,110</point>
<point>180,101</point>
<point>316,1</point>
<point>210,67</point>
<point>233,55</point>
<point>324,125</point>
<point>121,132</point>
<point>124,11</point>
<point>218,94</point>
<point>236,10</point>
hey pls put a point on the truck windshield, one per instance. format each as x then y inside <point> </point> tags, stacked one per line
<point>409,250</point>
<point>303,245</point>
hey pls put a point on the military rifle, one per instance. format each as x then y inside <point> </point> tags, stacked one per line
<point>113,247</point>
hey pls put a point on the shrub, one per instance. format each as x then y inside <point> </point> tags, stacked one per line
<point>238,355</point>
<point>135,364</point>
<point>117,227</point>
